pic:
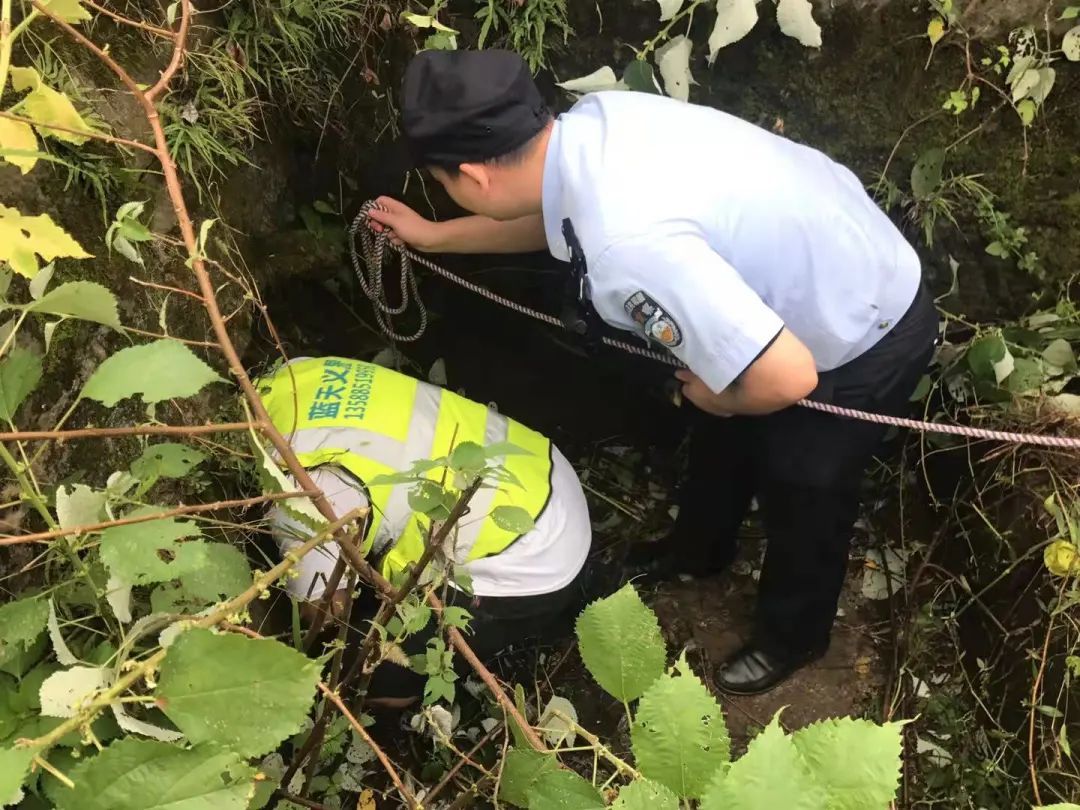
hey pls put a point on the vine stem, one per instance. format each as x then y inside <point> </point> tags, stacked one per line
<point>44,537</point>
<point>1035,686</point>
<point>139,430</point>
<point>221,614</point>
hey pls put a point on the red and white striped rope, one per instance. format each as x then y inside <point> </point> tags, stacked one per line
<point>407,257</point>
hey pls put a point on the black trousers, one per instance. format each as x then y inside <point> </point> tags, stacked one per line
<point>805,467</point>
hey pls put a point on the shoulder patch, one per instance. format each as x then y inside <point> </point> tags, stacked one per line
<point>654,321</point>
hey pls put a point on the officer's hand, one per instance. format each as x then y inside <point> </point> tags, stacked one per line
<point>696,391</point>
<point>405,225</point>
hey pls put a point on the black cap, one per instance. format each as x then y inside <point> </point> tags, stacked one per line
<point>469,106</point>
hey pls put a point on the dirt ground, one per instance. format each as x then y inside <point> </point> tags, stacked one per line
<point>709,618</point>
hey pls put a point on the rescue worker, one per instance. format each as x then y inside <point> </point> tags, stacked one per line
<point>349,421</point>
<point>760,263</point>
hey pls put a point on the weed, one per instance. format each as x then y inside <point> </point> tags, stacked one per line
<point>524,25</point>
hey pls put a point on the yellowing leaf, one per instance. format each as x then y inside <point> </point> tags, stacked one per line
<point>669,8</point>
<point>1060,558</point>
<point>47,106</point>
<point>935,30</point>
<point>21,237</point>
<point>15,136</point>
<point>70,11</point>
<point>25,78</point>
<point>426,21</point>
<point>600,79</point>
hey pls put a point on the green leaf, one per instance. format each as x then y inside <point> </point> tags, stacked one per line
<point>639,76</point>
<point>414,616</point>
<point>620,643</point>
<point>82,506</point>
<point>225,573</point>
<point>20,372</point>
<point>429,498</point>
<point>141,553</point>
<point>441,41</point>
<point>14,763</point>
<point>1066,806</point>
<point>679,735</point>
<point>522,768</point>
<point>1027,375</point>
<point>21,237</point>
<point>164,369</point>
<point>926,173</point>
<point>983,353</point>
<point>922,389</point>
<point>241,693</point>
<point>70,11</point>
<point>505,449</point>
<point>563,790</point>
<point>513,519</point>
<point>770,775</point>
<point>1060,353</point>
<point>134,774</point>
<point>21,623</point>
<point>135,231</point>
<point>166,460</point>
<point>467,457</point>
<point>831,750</point>
<point>458,617</point>
<point>1070,13</point>
<point>642,794</point>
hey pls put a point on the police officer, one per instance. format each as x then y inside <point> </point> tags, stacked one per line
<point>760,263</point>
<point>349,421</point>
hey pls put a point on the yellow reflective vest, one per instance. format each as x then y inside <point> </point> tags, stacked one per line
<point>374,421</point>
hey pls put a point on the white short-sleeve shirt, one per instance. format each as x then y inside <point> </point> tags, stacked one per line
<point>708,235</point>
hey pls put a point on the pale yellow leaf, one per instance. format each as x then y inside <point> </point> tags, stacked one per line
<point>21,237</point>
<point>366,800</point>
<point>46,106</point>
<point>796,19</point>
<point>25,78</point>
<point>1060,558</point>
<point>734,19</point>
<point>70,11</point>
<point>15,135</point>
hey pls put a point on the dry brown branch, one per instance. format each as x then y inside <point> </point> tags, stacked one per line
<point>44,537</point>
<point>334,698</point>
<point>137,430</point>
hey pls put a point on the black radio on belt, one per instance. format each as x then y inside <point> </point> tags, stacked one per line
<point>578,314</point>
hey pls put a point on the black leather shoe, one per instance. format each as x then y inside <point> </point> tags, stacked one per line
<point>753,670</point>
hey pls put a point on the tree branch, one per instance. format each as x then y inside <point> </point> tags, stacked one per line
<point>137,430</point>
<point>44,537</point>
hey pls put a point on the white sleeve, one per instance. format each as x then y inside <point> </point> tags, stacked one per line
<point>677,291</point>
